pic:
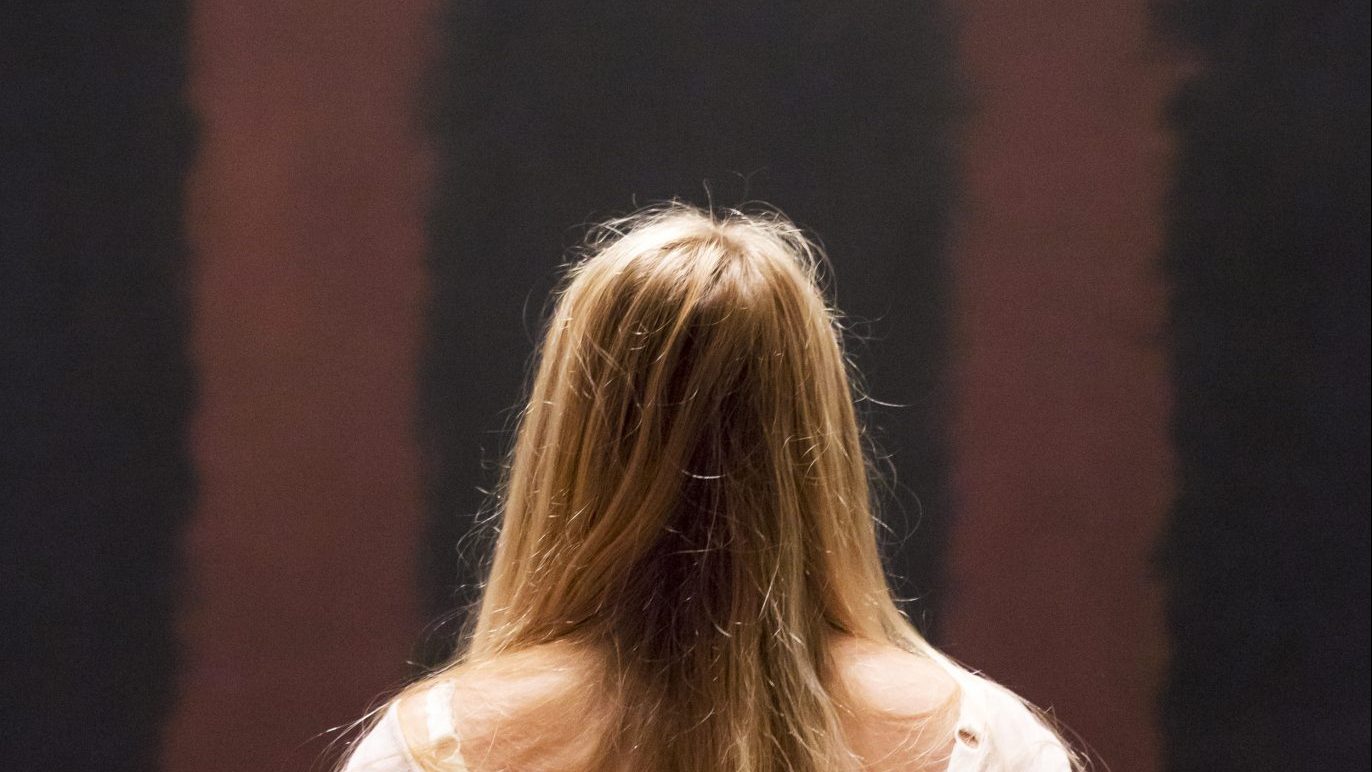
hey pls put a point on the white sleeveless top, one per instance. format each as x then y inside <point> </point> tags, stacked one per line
<point>996,733</point>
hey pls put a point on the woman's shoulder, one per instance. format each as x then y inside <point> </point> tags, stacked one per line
<point>891,681</point>
<point>520,711</point>
<point>419,718</point>
<point>998,727</point>
<point>383,748</point>
<point>989,726</point>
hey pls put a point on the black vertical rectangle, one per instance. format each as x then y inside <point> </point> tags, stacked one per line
<point>95,384</point>
<point>1268,253</point>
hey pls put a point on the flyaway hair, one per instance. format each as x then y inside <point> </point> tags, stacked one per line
<point>685,520</point>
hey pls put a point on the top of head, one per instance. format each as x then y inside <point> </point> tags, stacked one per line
<point>681,313</point>
<point>706,262</point>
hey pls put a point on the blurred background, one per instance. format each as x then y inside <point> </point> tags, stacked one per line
<point>270,274</point>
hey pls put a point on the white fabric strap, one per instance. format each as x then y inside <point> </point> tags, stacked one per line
<point>438,710</point>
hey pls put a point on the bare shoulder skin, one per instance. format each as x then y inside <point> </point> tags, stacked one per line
<point>893,681</point>
<point>531,711</point>
<point>905,719</point>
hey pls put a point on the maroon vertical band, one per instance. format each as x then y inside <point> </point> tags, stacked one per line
<point>1062,467</point>
<point>306,221</point>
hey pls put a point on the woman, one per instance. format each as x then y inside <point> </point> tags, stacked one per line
<point>686,576</point>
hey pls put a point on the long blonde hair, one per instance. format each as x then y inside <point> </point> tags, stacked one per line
<point>688,499</point>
